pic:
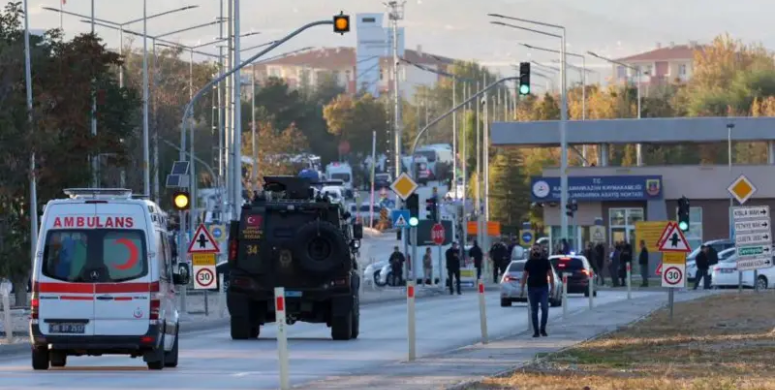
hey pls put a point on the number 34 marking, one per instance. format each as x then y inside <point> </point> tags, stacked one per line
<point>252,249</point>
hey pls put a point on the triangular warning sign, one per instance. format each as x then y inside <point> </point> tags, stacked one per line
<point>203,242</point>
<point>400,221</point>
<point>673,240</point>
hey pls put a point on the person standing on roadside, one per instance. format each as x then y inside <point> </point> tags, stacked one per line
<point>396,261</point>
<point>601,262</point>
<point>476,253</point>
<point>539,278</point>
<point>643,262</point>
<point>453,267</point>
<point>625,259</point>
<point>499,258</point>
<point>427,266</point>
<point>702,268</point>
<point>613,265</point>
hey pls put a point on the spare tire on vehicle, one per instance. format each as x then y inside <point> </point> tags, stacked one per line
<point>320,247</point>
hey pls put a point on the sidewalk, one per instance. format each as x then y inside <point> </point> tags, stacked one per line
<point>458,369</point>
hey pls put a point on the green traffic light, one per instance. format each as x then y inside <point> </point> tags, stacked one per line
<point>524,89</point>
<point>413,221</point>
<point>683,226</point>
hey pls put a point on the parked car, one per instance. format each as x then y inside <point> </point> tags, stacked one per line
<point>719,245</point>
<point>511,290</point>
<point>373,272</point>
<point>578,270</point>
<point>725,275</point>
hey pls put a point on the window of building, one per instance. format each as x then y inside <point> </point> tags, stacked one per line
<point>694,235</point>
<point>621,224</point>
<point>682,70</point>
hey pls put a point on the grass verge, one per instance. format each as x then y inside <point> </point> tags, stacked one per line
<point>721,342</point>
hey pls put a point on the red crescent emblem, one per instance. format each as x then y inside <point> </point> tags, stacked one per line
<point>134,254</point>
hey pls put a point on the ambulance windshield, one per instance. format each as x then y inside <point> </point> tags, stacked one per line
<point>95,255</point>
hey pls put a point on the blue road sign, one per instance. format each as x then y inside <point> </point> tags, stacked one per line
<point>527,237</point>
<point>217,232</point>
<point>400,218</point>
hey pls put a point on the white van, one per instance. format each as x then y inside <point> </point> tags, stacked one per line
<point>342,172</point>
<point>103,281</point>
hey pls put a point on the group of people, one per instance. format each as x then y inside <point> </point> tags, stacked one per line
<point>615,262</point>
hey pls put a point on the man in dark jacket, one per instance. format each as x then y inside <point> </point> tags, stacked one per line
<point>702,268</point>
<point>539,278</point>
<point>613,265</point>
<point>625,259</point>
<point>476,253</point>
<point>643,262</point>
<point>500,259</point>
<point>396,261</point>
<point>453,267</point>
<point>600,259</point>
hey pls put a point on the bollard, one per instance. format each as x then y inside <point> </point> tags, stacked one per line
<point>282,340</point>
<point>410,320</point>
<point>482,312</point>
<point>629,281</point>
<point>564,296</point>
<point>221,296</point>
<point>591,290</point>
<point>7,315</point>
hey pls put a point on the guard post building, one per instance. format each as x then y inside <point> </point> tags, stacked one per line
<point>617,197</point>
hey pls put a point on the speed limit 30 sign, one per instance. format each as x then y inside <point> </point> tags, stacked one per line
<point>674,275</point>
<point>204,270</point>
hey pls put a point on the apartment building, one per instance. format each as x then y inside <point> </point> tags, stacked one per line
<point>664,65</point>
<point>309,67</point>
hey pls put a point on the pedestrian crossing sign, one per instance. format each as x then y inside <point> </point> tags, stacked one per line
<point>401,218</point>
<point>203,241</point>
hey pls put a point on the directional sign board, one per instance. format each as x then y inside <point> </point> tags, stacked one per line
<point>203,242</point>
<point>753,237</point>
<point>742,189</point>
<point>400,218</point>
<point>204,270</point>
<point>673,240</point>
<point>403,186</point>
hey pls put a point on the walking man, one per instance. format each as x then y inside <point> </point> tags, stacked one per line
<point>702,268</point>
<point>396,261</point>
<point>643,262</point>
<point>453,267</point>
<point>476,253</point>
<point>539,277</point>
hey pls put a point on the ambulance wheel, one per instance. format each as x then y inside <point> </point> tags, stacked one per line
<point>240,328</point>
<point>58,359</point>
<point>40,359</point>
<point>155,359</point>
<point>171,357</point>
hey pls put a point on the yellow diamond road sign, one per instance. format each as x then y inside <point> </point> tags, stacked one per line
<point>404,186</point>
<point>742,189</point>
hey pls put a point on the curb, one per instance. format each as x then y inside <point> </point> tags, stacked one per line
<point>465,384</point>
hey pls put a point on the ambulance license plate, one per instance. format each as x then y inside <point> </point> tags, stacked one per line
<point>67,327</point>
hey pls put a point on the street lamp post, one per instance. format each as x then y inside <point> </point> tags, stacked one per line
<point>563,109</point>
<point>638,75</point>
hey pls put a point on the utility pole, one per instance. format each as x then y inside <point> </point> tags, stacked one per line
<point>237,116</point>
<point>453,187</point>
<point>227,142</point>
<point>396,14</point>
<point>221,116</point>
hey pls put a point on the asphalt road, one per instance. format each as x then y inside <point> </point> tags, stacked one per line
<point>211,360</point>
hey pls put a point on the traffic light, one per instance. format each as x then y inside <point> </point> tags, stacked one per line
<point>431,206</point>
<point>571,208</point>
<point>413,204</point>
<point>683,214</point>
<point>181,200</point>
<point>341,23</point>
<point>524,78</point>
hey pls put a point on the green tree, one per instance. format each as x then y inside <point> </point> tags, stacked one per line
<point>353,119</point>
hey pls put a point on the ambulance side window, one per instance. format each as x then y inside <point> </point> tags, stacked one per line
<point>162,256</point>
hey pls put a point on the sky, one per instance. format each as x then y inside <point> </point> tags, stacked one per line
<point>458,29</point>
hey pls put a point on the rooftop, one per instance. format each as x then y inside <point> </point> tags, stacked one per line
<point>343,57</point>
<point>672,52</point>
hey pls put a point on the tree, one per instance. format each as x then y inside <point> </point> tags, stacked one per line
<point>353,119</point>
<point>273,146</point>
<point>66,76</point>
<point>509,189</point>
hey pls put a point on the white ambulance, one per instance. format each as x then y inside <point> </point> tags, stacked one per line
<point>103,281</point>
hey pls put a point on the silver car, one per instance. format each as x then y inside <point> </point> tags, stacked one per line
<point>512,292</point>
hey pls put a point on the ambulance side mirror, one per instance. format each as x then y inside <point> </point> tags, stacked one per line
<point>183,276</point>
